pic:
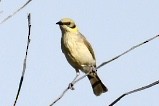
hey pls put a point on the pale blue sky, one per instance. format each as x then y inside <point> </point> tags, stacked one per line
<point>110,26</point>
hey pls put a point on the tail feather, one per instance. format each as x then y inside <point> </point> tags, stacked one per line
<point>97,85</point>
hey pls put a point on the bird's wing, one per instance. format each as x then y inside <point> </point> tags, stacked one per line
<point>88,46</point>
<point>62,46</point>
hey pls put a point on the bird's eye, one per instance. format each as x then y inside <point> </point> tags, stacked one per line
<point>73,26</point>
<point>67,23</point>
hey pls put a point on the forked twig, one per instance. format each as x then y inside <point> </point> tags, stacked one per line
<point>25,59</point>
<point>133,91</point>
<point>70,86</point>
<point>104,63</point>
<point>15,12</point>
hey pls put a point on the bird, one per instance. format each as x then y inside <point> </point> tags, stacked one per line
<point>79,53</point>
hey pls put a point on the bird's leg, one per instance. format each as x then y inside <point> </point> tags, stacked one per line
<point>77,74</point>
<point>71,84</point>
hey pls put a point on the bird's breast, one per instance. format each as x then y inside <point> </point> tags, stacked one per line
<point>76,51</point>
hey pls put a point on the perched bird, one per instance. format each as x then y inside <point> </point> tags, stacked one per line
<point>79,53</point>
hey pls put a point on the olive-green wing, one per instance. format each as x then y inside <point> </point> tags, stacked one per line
<point>63,47</point>
<point>88,46</point>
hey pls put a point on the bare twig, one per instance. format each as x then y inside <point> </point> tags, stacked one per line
<point>132,48</point>
<point>70,86</point>
<point>104,63</point>
<point>25,59</point>
<point>60,96</point>
<point>15,12</point>
<point>133,91</point>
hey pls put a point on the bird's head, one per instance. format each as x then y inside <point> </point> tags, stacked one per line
<point>67,25</point>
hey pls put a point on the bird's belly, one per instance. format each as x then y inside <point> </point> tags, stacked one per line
<point>80,54</point>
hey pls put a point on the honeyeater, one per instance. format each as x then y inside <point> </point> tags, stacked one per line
<point>79,53</point>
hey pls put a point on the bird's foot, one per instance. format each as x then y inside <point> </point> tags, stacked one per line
<point>70,86</point>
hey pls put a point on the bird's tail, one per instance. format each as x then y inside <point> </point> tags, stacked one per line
<point>97,85</point>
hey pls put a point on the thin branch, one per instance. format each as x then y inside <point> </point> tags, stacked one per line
<point>15,12</point>
<point>133,91</point>
<point>104,63</point>
<point>25,59</point>
<point>70,86</point>
<point>132,48</point>
<point>60,96</point>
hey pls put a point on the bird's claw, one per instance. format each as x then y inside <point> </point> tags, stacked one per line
<point>71,86</point>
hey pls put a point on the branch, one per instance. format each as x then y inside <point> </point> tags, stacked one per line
<point>104,63</point>
<point>25,59</point>
<point>133,91</point>
<point>15,12</point>
<point>70,86</point>
<point>132,48</point>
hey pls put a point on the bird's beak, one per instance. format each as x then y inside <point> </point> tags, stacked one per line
<point>59,23</point>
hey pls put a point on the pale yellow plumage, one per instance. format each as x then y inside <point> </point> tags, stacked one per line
<point>79,53</point>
